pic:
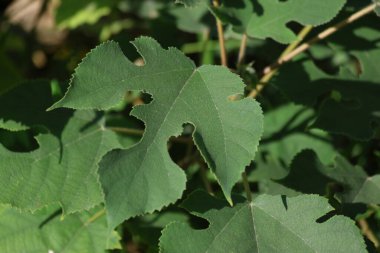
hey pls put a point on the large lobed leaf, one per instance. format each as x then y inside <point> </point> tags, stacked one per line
<point>144,178</point>
<point>60,170</point>
<point>268,224</point>
<point>270,18</point>
<point>45,232</point>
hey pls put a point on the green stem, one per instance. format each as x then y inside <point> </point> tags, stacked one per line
<point>219,27</point>
<point>242,50</point>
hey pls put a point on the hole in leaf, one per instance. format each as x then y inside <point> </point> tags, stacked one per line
<point>21,141</point>
<point>198,223</point>
<point>146,98</point>
<point>284,201</point>
<point>181,148</point>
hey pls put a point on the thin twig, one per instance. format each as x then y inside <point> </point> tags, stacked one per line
<point>219,27</point>
<point>366,230</point>
<point>265,79</point>
<point>242,50</point>
<point>247,187</point>
<point>270,71</point>
<point>300,37</point>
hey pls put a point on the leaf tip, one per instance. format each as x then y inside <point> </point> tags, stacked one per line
<point>229,200</point>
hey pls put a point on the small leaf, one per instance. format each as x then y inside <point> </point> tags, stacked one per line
<point>143,178</point>
<point>191,20</point>
<point>72,13</point>
<point>250,227</point>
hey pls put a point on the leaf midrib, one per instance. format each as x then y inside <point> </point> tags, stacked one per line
<point>287,228</point>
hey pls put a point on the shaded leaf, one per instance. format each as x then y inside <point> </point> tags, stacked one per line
<point>358,187</point>
<point>351,109</point>
<point>25,106</point>
<point>191,19</point>
<point>306,174</point>
<point>287,132</point>
<point>147,229</point>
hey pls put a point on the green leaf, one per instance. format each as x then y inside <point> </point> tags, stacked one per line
<point>147,229</point>
<point>306,174</point>
<point>269,18</point>
<point>251,227</point>
<point>286,134</point>
<point>354,111</point>
<point>60,170</point>
<point>347,101</point>
<point>309,175</point>
<point>358,187</point>
<point>144,178</point>
<point>191,19</point>
<point>44,231</point>
<point>28,102</point>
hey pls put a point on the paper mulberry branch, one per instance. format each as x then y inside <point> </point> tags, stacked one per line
<point>219,27</point>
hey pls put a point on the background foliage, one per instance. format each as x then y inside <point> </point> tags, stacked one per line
<point>113,146</point>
